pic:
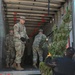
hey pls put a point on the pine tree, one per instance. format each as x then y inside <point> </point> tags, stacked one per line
<point>61,35</point>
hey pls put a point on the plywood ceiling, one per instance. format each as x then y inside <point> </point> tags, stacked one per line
<point>34,11</point>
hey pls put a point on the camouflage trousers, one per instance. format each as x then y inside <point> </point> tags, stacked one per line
<point>19,47</point>
<point>10,55</point>
<point>40,53</point>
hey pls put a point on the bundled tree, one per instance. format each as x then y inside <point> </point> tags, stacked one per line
<point>60,36</point>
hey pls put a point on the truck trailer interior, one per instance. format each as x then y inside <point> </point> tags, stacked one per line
<point>39,14</point>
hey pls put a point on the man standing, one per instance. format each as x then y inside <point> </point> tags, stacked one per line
<point>36,48</point>
<point>20,37</point>
<point>10,51</point>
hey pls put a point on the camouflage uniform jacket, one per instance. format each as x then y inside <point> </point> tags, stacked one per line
<point>19,31</point>
<point>38,39</point>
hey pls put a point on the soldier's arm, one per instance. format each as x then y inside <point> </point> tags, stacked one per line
<point>34,39</point>
<point>27,36</point>
<point>44,36</point>
<point>16,31</point>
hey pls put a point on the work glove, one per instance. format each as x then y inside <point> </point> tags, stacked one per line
<point>28,40</point>
<point>23,39</point>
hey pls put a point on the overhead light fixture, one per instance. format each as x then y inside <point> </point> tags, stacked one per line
<point>53,19</point>
<point>50,21</point>
<point>46,39</point>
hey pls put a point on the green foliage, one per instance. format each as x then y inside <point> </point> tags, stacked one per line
<point>60,36</point>
<point>67,17</point>
<point>58,47</point>
<point>45,70</point>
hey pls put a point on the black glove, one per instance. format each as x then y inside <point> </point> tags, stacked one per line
<point>28,40</point>
<point>23,39</point>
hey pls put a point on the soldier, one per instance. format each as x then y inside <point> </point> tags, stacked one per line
<point>10,52</point>
<point>20,37</point>
<point>36,47</point>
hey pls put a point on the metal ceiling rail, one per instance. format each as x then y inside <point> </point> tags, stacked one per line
<point>56,1</point>
<point>27,20</point>
<point>34,11</point>
<point>27,23</point>
<point>30,17</point>
<point>31,2</point>
<point>26,26</point>
<point>37,5</point>
<point>41,15</point>
<point>28,7</point>
<point>28,11</point>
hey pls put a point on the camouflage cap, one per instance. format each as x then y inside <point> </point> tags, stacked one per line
<point>22,17</point>
<point>40,30</point>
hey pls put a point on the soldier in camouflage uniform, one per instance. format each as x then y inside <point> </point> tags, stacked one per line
<point>10,51</point>
<point>20,37</point>
<point>36,48</point>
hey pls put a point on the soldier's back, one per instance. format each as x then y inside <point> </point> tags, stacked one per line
<point>38,38</point>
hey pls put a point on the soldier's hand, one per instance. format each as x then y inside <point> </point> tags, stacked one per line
<point>28,40</point>
<point>23,39</point>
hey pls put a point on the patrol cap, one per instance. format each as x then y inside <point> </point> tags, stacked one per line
<point>70,51</point>
<point>22,17</point>
<point>40,30</point>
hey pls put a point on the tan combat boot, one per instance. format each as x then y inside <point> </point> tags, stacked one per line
<point>35,65</point>
<point>19,67</point>
<point>7,65</point>
<point>14,65</point>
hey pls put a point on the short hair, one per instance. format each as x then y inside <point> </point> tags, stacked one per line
<point>70,51</point>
